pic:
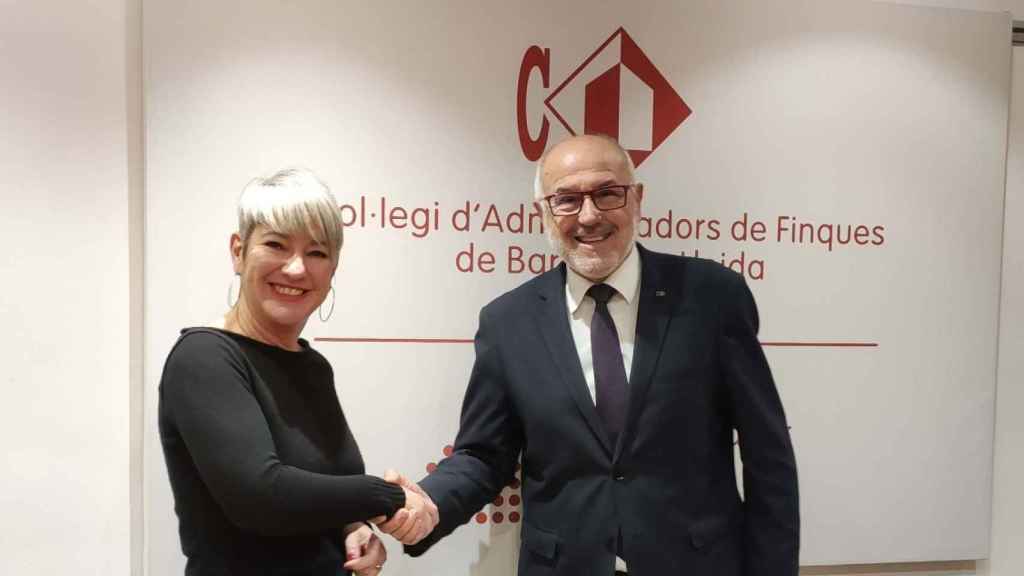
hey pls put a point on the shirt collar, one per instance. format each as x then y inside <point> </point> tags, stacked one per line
<point>625,279</point>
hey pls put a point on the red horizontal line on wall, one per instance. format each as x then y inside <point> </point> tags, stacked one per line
<point>470,341</point>
<point>399,340</point>
<point>821,344</point>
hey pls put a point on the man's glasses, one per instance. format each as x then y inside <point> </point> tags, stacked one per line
<point>605,198</point>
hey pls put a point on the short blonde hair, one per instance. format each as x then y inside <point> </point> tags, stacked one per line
<point>291,201</point>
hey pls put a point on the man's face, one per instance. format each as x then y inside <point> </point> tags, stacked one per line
<point>593,242</point>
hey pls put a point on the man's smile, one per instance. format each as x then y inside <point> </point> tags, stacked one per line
<point>594,237</point>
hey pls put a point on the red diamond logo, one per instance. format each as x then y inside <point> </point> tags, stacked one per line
<point>617,91</point>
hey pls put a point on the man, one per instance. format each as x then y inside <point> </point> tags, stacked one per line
<point>621,401</point>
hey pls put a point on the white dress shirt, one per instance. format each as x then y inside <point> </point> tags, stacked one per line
<point>622,307</point>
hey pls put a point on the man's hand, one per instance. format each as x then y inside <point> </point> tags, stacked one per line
<point>419,517</point>
<point>364,552</point>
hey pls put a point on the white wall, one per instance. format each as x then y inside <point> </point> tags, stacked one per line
<point>1015,7</point>
<point>1007,553</point>
<point>64,265</point>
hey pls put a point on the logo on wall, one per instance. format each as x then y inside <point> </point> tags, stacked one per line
<point>616,91</point>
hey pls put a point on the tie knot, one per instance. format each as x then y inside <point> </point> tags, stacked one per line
<point>601,293</point>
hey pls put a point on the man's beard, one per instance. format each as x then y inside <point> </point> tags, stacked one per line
<point>590,266</point>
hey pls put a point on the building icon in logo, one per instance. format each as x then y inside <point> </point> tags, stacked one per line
<point>617,91</point>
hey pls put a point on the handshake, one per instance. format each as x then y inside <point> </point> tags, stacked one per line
<point>365,553</point>
<point>416,520</point>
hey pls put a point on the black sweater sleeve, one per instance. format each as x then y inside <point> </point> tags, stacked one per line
<point>206,395</point>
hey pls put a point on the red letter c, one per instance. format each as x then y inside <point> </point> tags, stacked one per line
<point>535,57</point>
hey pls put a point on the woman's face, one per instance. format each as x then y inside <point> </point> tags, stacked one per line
<point>284,277</point>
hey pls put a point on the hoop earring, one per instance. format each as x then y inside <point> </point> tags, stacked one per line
<point>232,299</point>
<point>330,311</point>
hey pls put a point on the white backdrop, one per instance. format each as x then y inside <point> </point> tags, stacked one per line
<point>65,149</point>
<point>835,114</point>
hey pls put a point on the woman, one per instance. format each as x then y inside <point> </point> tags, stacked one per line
<point>266,475</point>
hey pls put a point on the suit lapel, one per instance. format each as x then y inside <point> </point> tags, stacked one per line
<point>552,318</point>
<point>653,317</point>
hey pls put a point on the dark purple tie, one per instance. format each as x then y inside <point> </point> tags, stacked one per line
<point>609,369</point>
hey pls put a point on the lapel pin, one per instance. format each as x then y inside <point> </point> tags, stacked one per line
<point>659,292</point>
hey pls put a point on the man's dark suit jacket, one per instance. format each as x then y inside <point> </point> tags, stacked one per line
<point>670,485</point>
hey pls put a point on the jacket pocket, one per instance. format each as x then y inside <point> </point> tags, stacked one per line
<point>709,529</point>
<point>541,542</point>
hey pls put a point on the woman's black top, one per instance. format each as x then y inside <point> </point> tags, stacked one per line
<point>264,469</point>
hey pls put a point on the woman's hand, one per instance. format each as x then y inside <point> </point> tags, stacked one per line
<point>417,519</point>
<point>364,552</point>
